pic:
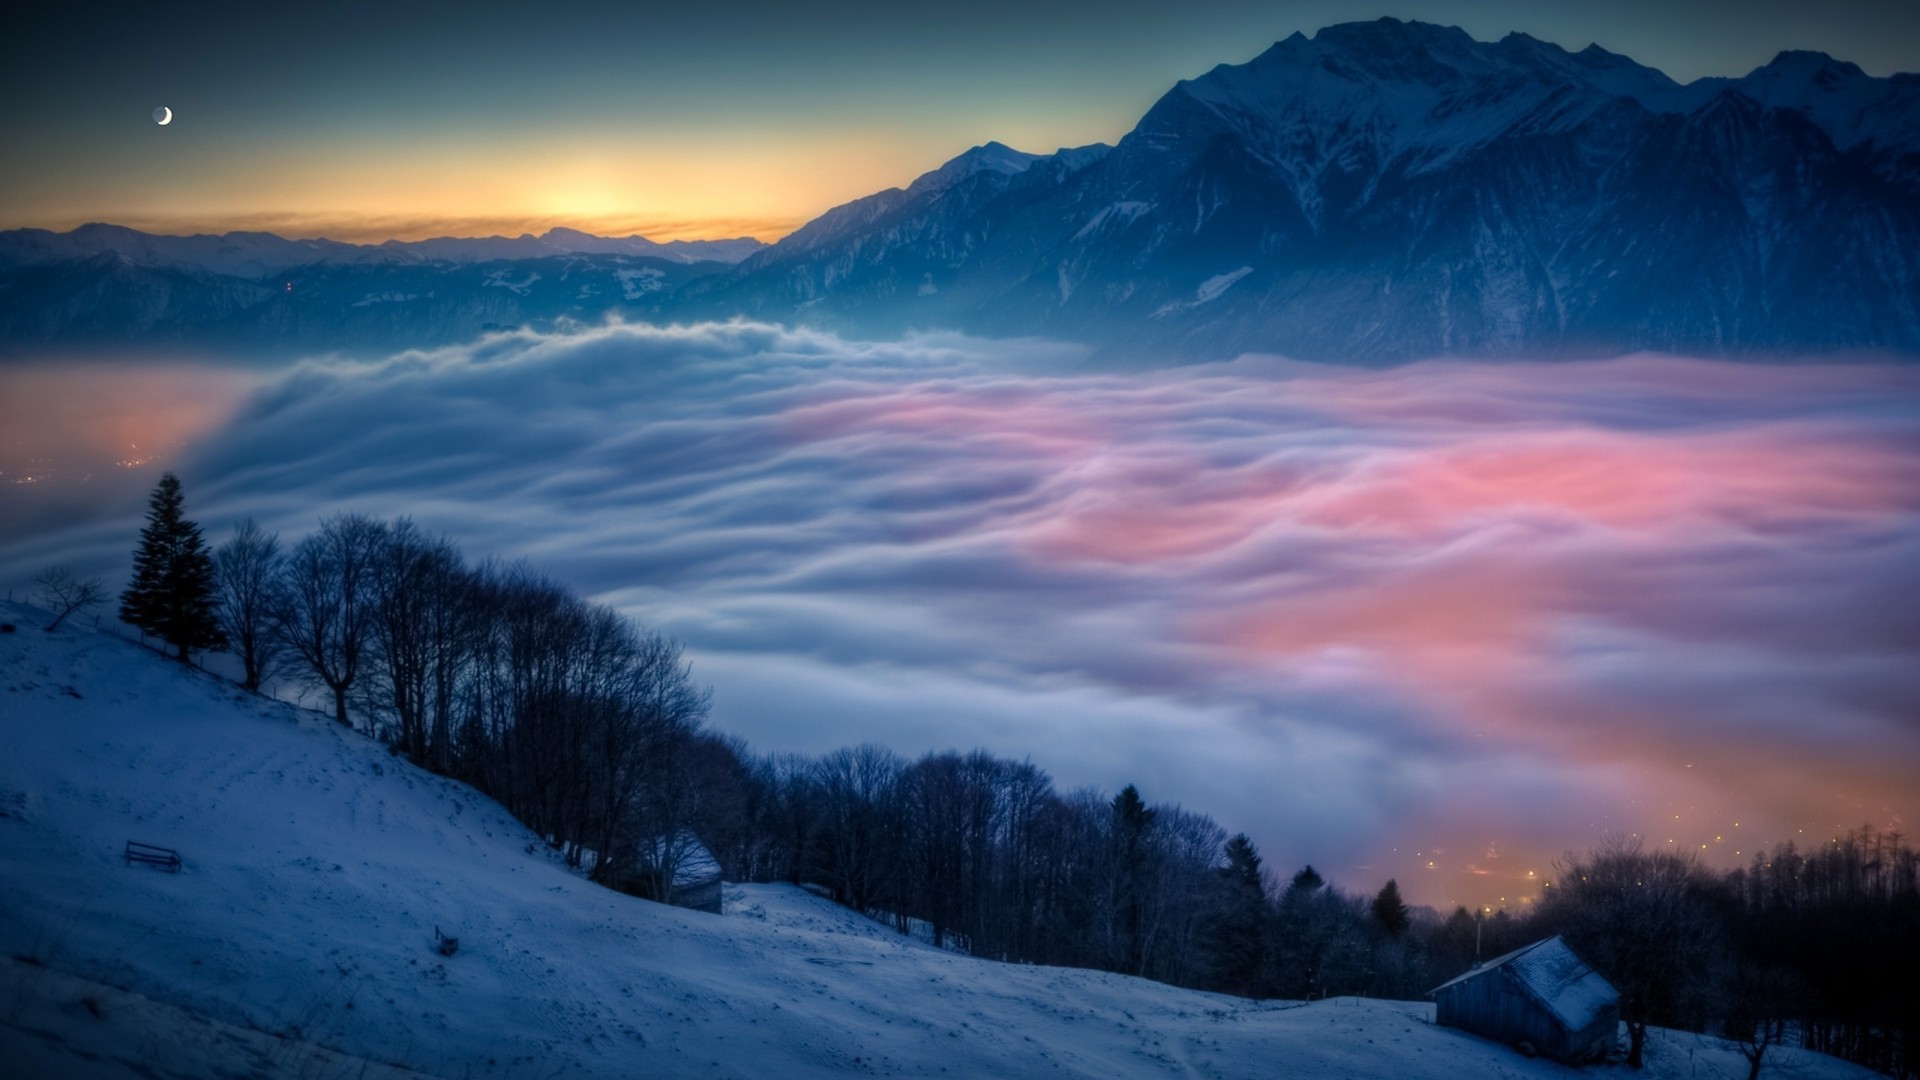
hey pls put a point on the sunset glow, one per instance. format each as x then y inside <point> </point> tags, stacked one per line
<point>746,119</point>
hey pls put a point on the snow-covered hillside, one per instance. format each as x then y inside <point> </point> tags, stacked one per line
<point>300,937</point>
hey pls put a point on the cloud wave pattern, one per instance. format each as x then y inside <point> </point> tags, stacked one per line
<point>1466,615</point>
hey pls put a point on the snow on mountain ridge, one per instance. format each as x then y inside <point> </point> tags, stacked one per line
<point>1400,88</point>
<point>1852,107</point>
<point>1361,99</point>
<point>989,157</point>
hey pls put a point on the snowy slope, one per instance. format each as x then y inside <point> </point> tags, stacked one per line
<point>299,938</point>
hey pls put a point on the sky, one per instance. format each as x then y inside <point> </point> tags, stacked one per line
<point>1441,623</point>
<point>362,121</point>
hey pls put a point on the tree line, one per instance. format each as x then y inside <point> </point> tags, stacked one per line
<point>583,724</point>
<point>1800,947</point>
<point>591,730</point>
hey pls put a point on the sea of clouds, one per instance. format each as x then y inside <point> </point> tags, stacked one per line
<point>1466,614</point>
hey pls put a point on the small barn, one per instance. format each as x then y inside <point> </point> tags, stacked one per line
<point>1543,996</point>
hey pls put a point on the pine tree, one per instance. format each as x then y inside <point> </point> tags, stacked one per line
<point>172,593</point>
<point>1132,820</point>
<point>1389,910</point>
<point>1235,936</point>
<point>1304,884</point>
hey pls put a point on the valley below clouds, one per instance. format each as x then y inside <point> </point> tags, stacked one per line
<point>1466,615</point>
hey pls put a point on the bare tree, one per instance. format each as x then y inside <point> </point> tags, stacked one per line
<point>247,588</point>
<point>858,789</point>
<point>1185,853</point>
<point>422,632</point>
<point>789,817</point>
<point>678,782</point>
<point>1760,1005</point>
<point>1645,920</point>
<point>63,594</point>
<point>327,606</point>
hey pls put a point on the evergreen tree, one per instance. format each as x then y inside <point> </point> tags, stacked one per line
<point>1304,934</point>
<point>172,593</point>
<point>1132,820</point>
<point>1304,884</point>
<point>1389,910</point>
<point>1235,938</point>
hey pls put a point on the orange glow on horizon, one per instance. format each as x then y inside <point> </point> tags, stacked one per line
<point>763,185</point>
<point>429,226</point>
<point>117,414</point>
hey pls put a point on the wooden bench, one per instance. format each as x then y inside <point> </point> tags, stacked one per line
<point>148,855</point>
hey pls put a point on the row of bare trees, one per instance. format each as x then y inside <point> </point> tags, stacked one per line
<point>1799,946</point>
<point>990,855</point>
<point>584,725</point>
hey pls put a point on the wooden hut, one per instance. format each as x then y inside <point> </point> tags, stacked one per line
<point>1542,997</point>
<point>678,870</point>
<point>696,880</point>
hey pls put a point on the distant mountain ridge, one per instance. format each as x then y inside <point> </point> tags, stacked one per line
<point>255,254</point>
<point>254,293</point>
<point>1380,191</point>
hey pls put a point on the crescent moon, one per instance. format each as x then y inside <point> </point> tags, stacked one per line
<point>163,116</point>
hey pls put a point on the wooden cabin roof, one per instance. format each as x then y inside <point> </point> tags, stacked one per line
<point>1555,976</point>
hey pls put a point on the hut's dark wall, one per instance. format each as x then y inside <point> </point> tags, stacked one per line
<point>701,896</point>
<point>1593,1042</point>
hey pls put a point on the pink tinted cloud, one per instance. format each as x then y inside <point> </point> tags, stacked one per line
<point>1457,537</point>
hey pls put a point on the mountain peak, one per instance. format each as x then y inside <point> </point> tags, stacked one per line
<point>1389,37</point>
<point>1809,60</point>
<point>1851,106</point>
<point>987,157</point>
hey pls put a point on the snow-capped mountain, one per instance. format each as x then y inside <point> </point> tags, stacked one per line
<point>1388,190</point>
<point>993,157</point>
